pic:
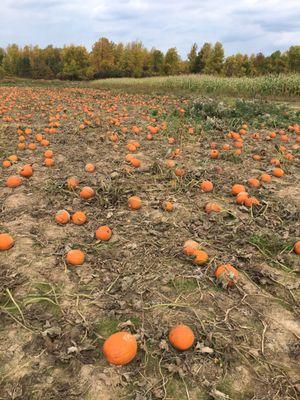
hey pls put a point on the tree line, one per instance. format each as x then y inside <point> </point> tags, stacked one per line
<point>108,59</point>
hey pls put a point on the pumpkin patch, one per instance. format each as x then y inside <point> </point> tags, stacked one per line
<point>128,213</point>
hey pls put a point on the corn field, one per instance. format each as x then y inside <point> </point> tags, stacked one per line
<point>280,86</point>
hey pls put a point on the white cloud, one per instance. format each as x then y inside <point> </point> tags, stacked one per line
<point>241,25</point>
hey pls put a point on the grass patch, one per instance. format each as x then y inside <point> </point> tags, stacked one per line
<point>107,326</point>
<point>271,245</point>
<point>183,284</point>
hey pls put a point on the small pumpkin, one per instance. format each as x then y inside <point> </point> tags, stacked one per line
<point>13,181</point>
<point>226,275</point>
<point>75,257</point>
<point>79,218</point>
<point>103,233</point>
<point>181,337</point>
<point>62,217</point>
<point>87,193</point>
<point>134,202</point>
<point>6,241</point>
<point>120,348</point>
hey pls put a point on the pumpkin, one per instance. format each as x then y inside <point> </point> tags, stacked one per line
<point>181,337</point>
<point>49,162</point>
<point>253,182</point>
<point>90,167</point>
<point>6,241</point>
<point>75,257</point>
<point>135,162</point>
<point>251,201</point>
<point>134,202</point>
<point>26,171</point>
<point>212,207</point>
<point>13,181</point>
<point>266,178</point>
<point>206,186</point>
<point>179,172</point>
<point>278,172</point>
<point>237,188</point>
<point>103,233</point>
<point>48,154</point>
<point>120,348</point>
<point>79,218</point>
<point>62,217</point>
<point>214,153</point>
<point>241,197</point>
<point>168,206</point>
<point>72,182</point>
<point>297,247</point>
<point>226,275</point>
<point>6,164</point>
<point>190,246</point>
<point>201,257</point>
<point>87,193</point>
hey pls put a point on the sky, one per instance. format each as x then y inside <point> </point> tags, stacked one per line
<point>246,26</point>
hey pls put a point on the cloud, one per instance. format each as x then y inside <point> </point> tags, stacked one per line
<point>241,25</point>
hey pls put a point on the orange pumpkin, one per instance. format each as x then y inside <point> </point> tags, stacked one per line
<point>13,181</point>
<point>87,193</point>
<point>6,241</point>
<point>79,218</point>
<point>26,171</point>
<point>181,337</point>
<point>120,348</point>
<point>103,233</point>
<point>206,186</point>
<point>75,257</point>
<point>62,217</point>
<point>134,202</point>
<point>201,257</point>
<point>226,275</point>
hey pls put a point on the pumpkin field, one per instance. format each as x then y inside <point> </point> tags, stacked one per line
<point>149,246</point>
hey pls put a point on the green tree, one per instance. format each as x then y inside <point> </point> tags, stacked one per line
<point>215,61</point>
<point>193,59</point>
<point>2,55</point>
<point>103,57</point>
<point>53,59</point>
<point>277,63</point>
<point>260,64</point>
<point>203,57</point>
<point>75,62</point>
<point>11,59</point>
<point>293,56</point>
<point>157,62</point>
<point>172,62</point>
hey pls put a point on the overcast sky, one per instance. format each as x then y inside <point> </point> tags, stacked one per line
<point>247,26</point>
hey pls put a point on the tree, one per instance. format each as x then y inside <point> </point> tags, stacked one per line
<point>53,59</point>
<point>192,59</point>
<point>293,55</point>
<point>214,64</point>
<point>203,57</point>
<point>102,57</point>
<point>2,55</point>
<point>75,62</point>
<point>157,62</point>
<point>277,63</point>
<point>11,60</point>
<point>260,64</point>
<point>172,62</point>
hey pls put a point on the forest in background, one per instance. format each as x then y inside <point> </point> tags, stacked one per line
<point>108,59</point>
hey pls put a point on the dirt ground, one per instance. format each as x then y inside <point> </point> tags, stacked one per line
<point>54,318</point>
